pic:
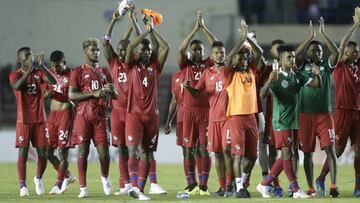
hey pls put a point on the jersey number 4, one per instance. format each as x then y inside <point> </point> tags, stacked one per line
<point>145,82</point>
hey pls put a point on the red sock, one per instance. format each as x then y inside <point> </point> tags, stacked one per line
<point>274,172</point>
<point>144,167</point>
<point>67,173</point>
<point>357,172</point>
<point>41,166</point>
<point>124,173</point>
<point>189,169</point>
<point>289,170</point>
<point>133,166</point>
<point>82,167</point>
<point>198,166</point>
<point>152,173</point>
<point>324,171</point>
<point>205,170</point>
<point>229,178</point>
<point>276,182</point>
<point>222,182</point>
<point>21,165</point>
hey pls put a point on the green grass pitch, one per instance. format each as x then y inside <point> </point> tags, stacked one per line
<point>170,177</point>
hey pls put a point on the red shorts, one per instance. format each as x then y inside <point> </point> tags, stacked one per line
<point>268,132</point>
<point>142,129</point>
<point>117,122</point>
<point>244,135</point>
<point>179,132</point>
<point>34,132</point>
<point>312,125</point>
<point>194,127</point>
<point>347,126</point>
<point>60,128</point>
<point>87,129</point>
<point>217,139</point>
<point>284,138</point>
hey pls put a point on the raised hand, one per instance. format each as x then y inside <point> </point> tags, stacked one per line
<point>200,15</point>
<point>116,15</point>
<point>40,59</point>
<point>243,29</point>
<point>149,24</point>
<point>322,26</point>
<point>356,16</point>
<point>273,75</point>
<point>311,29</point>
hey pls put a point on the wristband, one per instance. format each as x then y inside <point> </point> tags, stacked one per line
<point>107,38</point>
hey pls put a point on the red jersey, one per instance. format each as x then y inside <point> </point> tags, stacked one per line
<point>193,73</point>
<point>347,86</point>
<point>212,81</point>
<point>178,90</point>
<point>88,79</point>
<point>62,83</point>
<point>143,84</point>
<point>120,81</point>
<point>29,98</point>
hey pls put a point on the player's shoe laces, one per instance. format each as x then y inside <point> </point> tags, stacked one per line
<point>124,190</point>
<point>300,195</point>
<point>39,186</point>
<point>320,188</point>
<point>219,193</point>
<point>67,181</point>
<point>264,190</point>
<point>55,190</point>
<point>24,191</point>
<point>106,185</point>
<point>136,194</point>
<point>278,192</point>
<point>156,189</point>
<point>356,193</point>
<point>334,192</point>
<point>311,192</point>
<point>83,192</point>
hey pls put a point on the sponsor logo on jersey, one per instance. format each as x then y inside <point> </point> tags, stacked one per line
<point>150,69</point>
<point>36,77</point>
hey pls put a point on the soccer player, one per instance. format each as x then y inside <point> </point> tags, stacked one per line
<point>284,86</point>
<point>142,119</point>
<point>60,122</point>
<point>315,117</point>
<point>89,86</point>
<point>30,122</point>
<point>241,124</point>
<point>347,109</point>
<point>212,82</point>
<point>268,133</point>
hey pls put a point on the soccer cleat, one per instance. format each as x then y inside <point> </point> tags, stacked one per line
<point>242,193</point>
<point>320,188</point>
<point>356,193</point>
<point>192,189</point>
<point>311,192</point>
<point>219,193</point>
<point>24,191</point>
<point>39,186</point>
<point>334,192</point>
<point>264,190</point>
<point>67,182</point>
<point>300,195</point>
<point>278,192</point>
<point>55,190</point>
<point>124,190</point>
<point>156,189</point>
<point>230,190</point>
<point>106,185</point>
<point>83,192</point>
<point>136,194</point>
<point>290,192</point>
<point>204,192</point>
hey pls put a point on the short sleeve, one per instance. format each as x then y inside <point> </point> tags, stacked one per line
<point>14,76</point>
<point>74,78</point>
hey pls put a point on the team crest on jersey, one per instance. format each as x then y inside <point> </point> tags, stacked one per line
<point>284,84</point>
<point>21,139</point>
<point>202,65</point>
<point>150,69</point>
<point>86,76</point>
<point>65,80</point>
<point>36,77</point>
<point>237,147</point>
